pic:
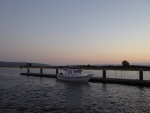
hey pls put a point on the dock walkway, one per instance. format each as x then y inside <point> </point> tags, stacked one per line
<point>99,79</point>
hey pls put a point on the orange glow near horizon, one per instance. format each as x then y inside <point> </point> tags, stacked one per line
<point>61,33</point>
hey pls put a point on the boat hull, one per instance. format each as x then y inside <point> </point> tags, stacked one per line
<point>74,78</point>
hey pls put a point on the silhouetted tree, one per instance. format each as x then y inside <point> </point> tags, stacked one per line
<point>125,63</point>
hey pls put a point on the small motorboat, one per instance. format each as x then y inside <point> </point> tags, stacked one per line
<point>75,75</point>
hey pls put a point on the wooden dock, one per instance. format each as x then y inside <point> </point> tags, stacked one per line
<point>40,75</point>
<point>103,79</point>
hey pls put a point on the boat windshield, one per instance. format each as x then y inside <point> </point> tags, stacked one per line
<point>71,71</point>
<point>77,71</point>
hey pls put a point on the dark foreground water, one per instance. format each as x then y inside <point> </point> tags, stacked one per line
<point>22,94</point>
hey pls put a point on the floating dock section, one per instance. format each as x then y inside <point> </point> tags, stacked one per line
<point>40,75</point>
<point>138,82</point>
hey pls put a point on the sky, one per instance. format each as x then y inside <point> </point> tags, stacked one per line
<point>70,32</point>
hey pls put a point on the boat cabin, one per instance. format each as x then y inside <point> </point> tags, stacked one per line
<point>72,71</point>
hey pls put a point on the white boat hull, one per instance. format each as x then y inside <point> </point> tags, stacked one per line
<point>74,78</point>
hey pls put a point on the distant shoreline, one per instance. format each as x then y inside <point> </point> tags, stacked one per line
<point>89,67</point>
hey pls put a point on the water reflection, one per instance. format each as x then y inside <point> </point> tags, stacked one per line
<point>49,95</point>
<point>73,91</point>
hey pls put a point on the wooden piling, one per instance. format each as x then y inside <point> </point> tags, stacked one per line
<point>28,70</point>
<point>104,73</point>
<point>141,74</point>
<point>56,71</point>
<point>41,70</point>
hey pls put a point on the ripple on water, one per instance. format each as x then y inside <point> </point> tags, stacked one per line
<point>35,95</point>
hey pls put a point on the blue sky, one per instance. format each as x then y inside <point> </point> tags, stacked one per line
<point>64,32</point>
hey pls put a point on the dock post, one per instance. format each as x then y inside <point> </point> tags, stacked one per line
<point>104,73</point>
<point>41,70</point>
<point>56,71</point>
<point>28,70</point>
<point>141,74</point>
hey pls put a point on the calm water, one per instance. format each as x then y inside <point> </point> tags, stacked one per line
<point>22,94</point>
